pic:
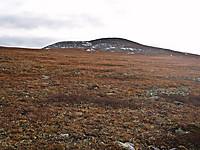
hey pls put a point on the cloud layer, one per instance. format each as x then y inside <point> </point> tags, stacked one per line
<point>31,22</point>
<point>25,42</point>
<point>168,24</point>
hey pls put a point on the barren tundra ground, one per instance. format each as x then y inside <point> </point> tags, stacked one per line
<point>76,99</point>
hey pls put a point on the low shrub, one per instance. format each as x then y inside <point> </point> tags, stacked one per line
<point>104,102</point>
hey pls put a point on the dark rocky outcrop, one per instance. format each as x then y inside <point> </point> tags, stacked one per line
<point>117,45</point>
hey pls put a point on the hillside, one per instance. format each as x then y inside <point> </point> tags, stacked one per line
<point>104,44</point>
<point>116,45</point>
<point>72,98</point>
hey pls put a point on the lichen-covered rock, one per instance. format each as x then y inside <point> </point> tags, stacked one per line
<point>156,92</point>
<point>126,145</point>
<point>177,103</point>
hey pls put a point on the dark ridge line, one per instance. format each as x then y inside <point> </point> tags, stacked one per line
<point>115,38</point>
<point>118,41</point>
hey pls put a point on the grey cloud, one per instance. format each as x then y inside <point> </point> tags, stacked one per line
<point>25,42</point>
<point>31,22</point>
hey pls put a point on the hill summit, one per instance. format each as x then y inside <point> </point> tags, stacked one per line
<point>115,45</point>
<point>104,44</point>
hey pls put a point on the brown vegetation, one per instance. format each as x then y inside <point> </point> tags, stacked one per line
<point>74,99</point>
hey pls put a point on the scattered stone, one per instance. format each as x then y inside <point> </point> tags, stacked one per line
<point>45,84</point>
<point>64,135</point>
<point>111,93</point>
<point>153,148</point>
<point>154,97</point>
<point>180,131</point>
<point>123,74</point>
<point>177,103</point>
<point>90,50</point>
<point>126,145</point>
<point>74,73</point>
<point>184,88</point>
<point>182,147</point>
<point>156,92</point>
<point>131,53</point>
<point>45,77</point>
<point>79,114</point>
<point>107,86</point>
<point>95,86</point>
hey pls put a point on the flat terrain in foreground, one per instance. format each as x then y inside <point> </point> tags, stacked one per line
<point>76,99</point>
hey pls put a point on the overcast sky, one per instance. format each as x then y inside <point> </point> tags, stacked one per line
<point>172,24</point>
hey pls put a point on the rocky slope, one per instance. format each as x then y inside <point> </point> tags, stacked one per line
<point>104,44</point>
<point>116,45</point>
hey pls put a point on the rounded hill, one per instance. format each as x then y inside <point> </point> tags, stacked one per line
<point>116,45</point>
<point>104,44</point>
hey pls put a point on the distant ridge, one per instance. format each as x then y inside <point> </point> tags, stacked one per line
<point>104,44</point>
<point>115,45</point>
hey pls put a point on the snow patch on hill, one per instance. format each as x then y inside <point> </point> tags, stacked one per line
<point>105,44</point>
